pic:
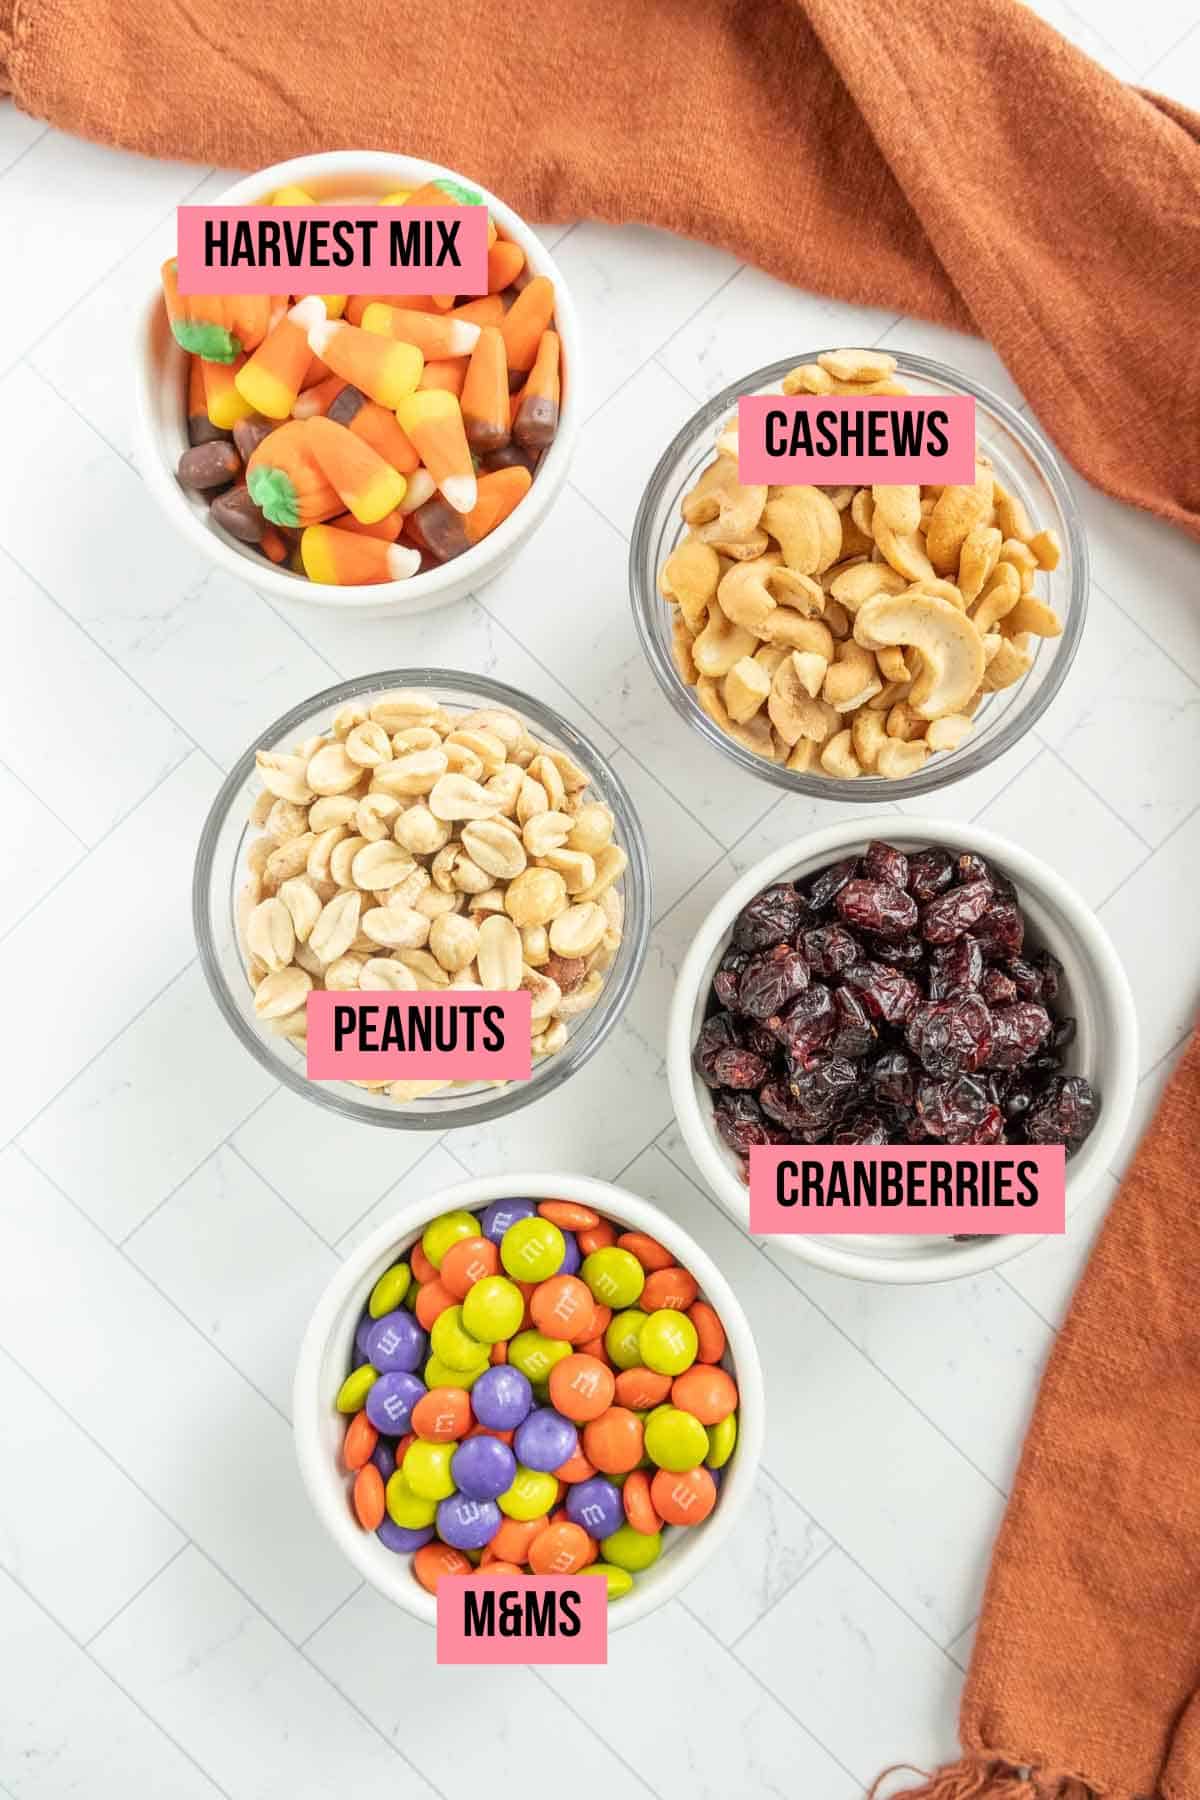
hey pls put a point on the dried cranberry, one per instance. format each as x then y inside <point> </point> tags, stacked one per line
<point>953,1110</point>
<point>877,906</point>
<point>717,1033</point>
<point>739,1120</point>
<point>1025,977</point>
<point>888,994</point>
<point>854,1034</point>
<point>753,1034</point>
<point>883,862</point>
<point>968,867</point>
<point>863,1128</point>
<point>997,988</point>
<point>930,873</point>
<point>1066,1115</point>
<point>769,981</point>
<point>777,1102</point>
<point>991,1128</point>
<point>894,1077</point>
<point>1063,1034</point>
<point>830,949</point>
<point>806,1024</point>
<point>955,968</point>
<point>1051,971</point>
<point>820,1092</point>
<point>902,953</point>
<point>775,914</point>
<point>824,887</point>
<point>1018,1100</point>
<point>1001,931</point>
<point>951,1037</point>
<point>952,913</point>
<point>725,981</point>
<point>1018,1032</point>
<point>741,1069</point>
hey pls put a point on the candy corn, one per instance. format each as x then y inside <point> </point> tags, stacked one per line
<point>287,483</point>
<point>375,425</point>
<point>319,398</point>
<point>421,487</point>
<point>537,416</point>
<point>383,368</point>
<point>487,310</point>
<point>388,528</point>
<point>524,322</point>
<point>225,404</point>
<point>449,375</point>
<point>505,262</point>
<point>366,484</point>
<point>485,393</point>
<point>200,428</point>
<point>445,533</point>
<point>434,336</point>
<point>271,380</point>
<point>351,559</point>
<point>434,422</point>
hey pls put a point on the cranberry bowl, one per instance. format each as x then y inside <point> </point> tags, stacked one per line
<point>901,980</point>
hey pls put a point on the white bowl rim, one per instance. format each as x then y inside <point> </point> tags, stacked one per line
<point>1084,1169</point>
<point>422,592</point>
<point>325,1482</point>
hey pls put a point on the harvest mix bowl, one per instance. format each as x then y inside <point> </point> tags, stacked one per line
<point>1093,988</point>
<point>220,875</point>
<point>327,1350</point>
<point>160,369</point>
<point>1028,468</point>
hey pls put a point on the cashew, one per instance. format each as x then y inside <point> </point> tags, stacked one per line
<point>721,644</point>
<point>998,598</point>
<point>941,590</point>
<point>949,732</point>
<point>690,578</point>
<point>958,511</point>
<point>838,758</point>
<point>720,510</point>
<point>898,507</point>
<point>863,581</point>
<point>897,759</point>
<point>857,365</point>
<point>756,736</point>
<point>1011,516</point>
<point>977,558</point>
<point>867,734</point>
<point>795,632</point>
<point>950,646</point>
<point>807,378</point>
<point>805,758</point>
<point>745,688</point>
<point>811,669</point>
<point>903,723</point>
<point>792,707</point>
<point>1046,548</point>
<point>807,527</point>
<point>1012,660</point>
<point>681,650</point>
<point>852,678</point>
<point>1033,615</point>
<point>892,665</point>
<point>905,551</point>
<point>750,592</point>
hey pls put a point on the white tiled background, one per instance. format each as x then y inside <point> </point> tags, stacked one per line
<point>173,1625</point>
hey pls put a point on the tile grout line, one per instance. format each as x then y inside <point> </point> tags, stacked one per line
<point>1170,50</point>
<point>330,1617</point>
<point>121,1242</point>
<point>45,804</point>
<point>763,1688</point>
<point>582,1718</point>
<point>783,1594</point>
<point>354,1224</point>
<point>236,1150</point>
<point>1155,643</point>
<point>86,1650</point>
<point>160,1291</point>
<point>34,141</point>
<point>86,1643</point>
<point>33,1118</point>
<point>657,351</point>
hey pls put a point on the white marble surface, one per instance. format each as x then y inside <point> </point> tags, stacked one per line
<point>172,1621</point>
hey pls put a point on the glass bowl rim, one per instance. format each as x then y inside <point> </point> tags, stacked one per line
<point>941,770</point>
<point>637,890</point>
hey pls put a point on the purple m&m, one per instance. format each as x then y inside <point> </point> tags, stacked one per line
<point>545,1440</point>
<point>571,1255</point>
<point>402,1538</point>
<point>503,1213</point>
<point>396,1342</point>
<point>483,1467</point>
<point>390,1401</point>
<point>384,1458</point>
<point>596,1504</point>
<point>501,1397</point>
<point>467,1524</point>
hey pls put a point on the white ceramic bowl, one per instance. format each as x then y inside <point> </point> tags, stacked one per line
<point>325,1356</point>
<point>1094,989</point>
<point>159,366</point>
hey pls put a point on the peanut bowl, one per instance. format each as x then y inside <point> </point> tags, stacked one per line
<point>765,742</point>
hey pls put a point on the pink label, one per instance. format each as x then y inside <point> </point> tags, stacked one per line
<point>911,1190</point>
<point>823,439</point>
<point>522,1619</point>
<point>332,249</point>
<point>434,1036</point>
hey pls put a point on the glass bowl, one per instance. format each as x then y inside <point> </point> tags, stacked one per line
<point>220,870</point>
<point>1029,469</point>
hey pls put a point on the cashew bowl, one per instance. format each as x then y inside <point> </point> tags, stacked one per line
<point>859,644</point>
<point>1093,990</point>
<point>355,844</point>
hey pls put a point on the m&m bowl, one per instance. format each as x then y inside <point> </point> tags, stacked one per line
<point>529,1373</point>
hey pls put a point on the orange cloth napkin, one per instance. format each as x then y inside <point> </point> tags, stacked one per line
<point>960,162</point>
<point>1086,1666</point>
